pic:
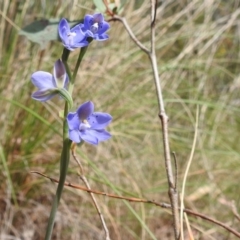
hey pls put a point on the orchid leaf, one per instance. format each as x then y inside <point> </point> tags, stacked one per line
<point>43,31</point>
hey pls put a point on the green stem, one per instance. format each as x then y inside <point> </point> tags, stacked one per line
<point>80,57</point>
<point>65,155</point>
<point>63,172</point>
<point>65,56</point>
<point>79,60</point>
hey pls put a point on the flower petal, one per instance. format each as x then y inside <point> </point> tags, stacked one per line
<point>43,80</point>
<point>59,69</point>
<point>102,37</point>
<point>44,94</point>
<point>59,73</point>
<point>71,38</point>
<point>101,135</point>
<point>74,136</point>
<point>103,27</point>
<point>80,36</point>
<point>80,44</point>
<point>89,138</point>
<point>90,34</point>
<point>73,121</point>
<point>98,17</point>
<point>99,120</point>
<point>63,29</point>
<point>95,27</point>
<point>88,22</point>
<point>85,110</point>
<point>92,130</point>
<point>66,82</point>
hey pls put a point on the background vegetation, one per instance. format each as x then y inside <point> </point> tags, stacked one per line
<point>198,58</point>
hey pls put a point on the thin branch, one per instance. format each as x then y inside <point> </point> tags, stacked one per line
<point>131,34</point>
<point>85,181</point>
<point>132,199</point>
<point>176,170</point>
<point>172,191</point>
<point>153,12</point>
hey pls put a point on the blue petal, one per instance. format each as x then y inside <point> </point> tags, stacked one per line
<point>99,120</point>
<point>98,17</point>
<point>43,80</point>
<point>81,25</point>
<point>102,37</point>
<point>59,69</point>
<point>74,136</point>
<point>90,34</point>
<point>88,22</point>
<point>63,29</point>
<point>101,135</point>
<point>88,137</point>
<point>73,121</point>
<point>66,82</point>
<point>80,36</point>
<point>80,44</point>
<point>43,95</point>
<point>85,110</point>
<point>69,40</point>
<point>103,27</point>
<point>59,73</point>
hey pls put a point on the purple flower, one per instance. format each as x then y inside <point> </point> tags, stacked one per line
<point>49,84</point>
<point>94,26</point>
<point>86,125</point>
<point>71,38</point>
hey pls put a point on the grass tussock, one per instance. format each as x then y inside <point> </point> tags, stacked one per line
<point>197,47</point>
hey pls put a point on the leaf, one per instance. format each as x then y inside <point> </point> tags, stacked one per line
<point>100,5</point>
<point>43,31</point>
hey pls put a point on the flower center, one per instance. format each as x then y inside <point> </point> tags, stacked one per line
<point>71,36</point>
<point>94,28</point>
<point>84,125</point>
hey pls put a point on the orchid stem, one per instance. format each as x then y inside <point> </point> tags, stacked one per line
<point>63,172</point>
<point>65,155</point>
<point>79,60</point>
<point>65,56</point>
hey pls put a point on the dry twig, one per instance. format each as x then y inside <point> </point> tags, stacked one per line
<point>85,181</point>
<point>131,199</point>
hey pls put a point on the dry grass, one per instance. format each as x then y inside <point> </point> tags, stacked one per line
<point>198,58</point>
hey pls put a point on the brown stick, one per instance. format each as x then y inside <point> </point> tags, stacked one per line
<point>132,199</point>
<point>172,190</point>
<point>85,181</point>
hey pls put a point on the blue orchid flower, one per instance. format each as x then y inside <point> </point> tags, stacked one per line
<point>87,125</point>
<point>71,38</point>
<point>95,27</point>
<point>50,85</point>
